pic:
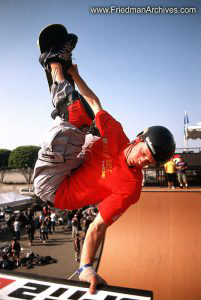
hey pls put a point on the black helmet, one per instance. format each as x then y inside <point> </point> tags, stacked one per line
<point>160,142</point>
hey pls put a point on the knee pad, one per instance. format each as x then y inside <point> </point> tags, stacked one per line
<point>79,111</point>
<point>70,105</point>
<point>60,92</point>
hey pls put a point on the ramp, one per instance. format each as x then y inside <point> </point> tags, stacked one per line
<point>15,286</point>
<point>156,246</point>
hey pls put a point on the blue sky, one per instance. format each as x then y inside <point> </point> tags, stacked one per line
<point>146,69</point>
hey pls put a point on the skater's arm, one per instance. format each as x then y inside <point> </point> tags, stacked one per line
<point>85,91</point>
<point>93,239</point>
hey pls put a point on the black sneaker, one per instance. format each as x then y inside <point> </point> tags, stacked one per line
<point>60,53</point>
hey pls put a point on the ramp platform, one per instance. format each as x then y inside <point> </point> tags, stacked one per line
<point>25,286</point>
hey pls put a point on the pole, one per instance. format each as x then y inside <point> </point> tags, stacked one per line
<point>185,138</point>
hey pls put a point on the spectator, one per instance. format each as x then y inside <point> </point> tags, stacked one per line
<point>86,221</point>
<point>30,231</point>
<point>65,217</point>
<point>69,220</point>
<point>44,232</point>
<point>23,219</point>
<point>61,220</point>
<point>143,177</point>
<point>49,224</point>
<point>41,220</point>
<point>10,222</point>
<point>181,167</point>
<point>77,247</point>
<point>170,172</point>
<point>16,229</point>
<point>36,222</point>
<point>15,250</point>
<point>46,210</point>
<point>53,217</point>
<point>30,213</point>
<point>41,217</point>
<point>5,263</point>
<point>79,217</point>
<point>74,226</point>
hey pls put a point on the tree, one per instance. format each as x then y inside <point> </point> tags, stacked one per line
<point>24,159</point>
<point>4,157</point>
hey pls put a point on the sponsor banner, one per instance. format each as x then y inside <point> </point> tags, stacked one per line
<point>19,287</point>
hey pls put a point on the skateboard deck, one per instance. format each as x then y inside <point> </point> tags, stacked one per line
<point>51,36</point>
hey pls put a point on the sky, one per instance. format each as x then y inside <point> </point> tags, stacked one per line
<point>145,68</point>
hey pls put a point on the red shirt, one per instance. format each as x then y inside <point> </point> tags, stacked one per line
<point>104,177</point>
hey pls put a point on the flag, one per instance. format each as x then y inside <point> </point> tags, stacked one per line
<point>186,120</point>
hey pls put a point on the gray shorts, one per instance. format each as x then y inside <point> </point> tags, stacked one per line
<point>62,150</point>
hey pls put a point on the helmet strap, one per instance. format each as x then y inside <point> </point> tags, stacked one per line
<point>137,140</point>
<point>132,144</point>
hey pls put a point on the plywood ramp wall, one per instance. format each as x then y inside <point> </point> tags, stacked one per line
<point>156,245</point>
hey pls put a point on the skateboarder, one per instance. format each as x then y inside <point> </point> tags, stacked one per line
<point>64,145</point>
<point>110,174</point>
<point>77,247</point>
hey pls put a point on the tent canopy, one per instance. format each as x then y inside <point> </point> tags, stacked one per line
<point>193,132</point>
<point>13,199</point>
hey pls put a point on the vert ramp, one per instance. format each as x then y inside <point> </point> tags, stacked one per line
<point>156,246</point>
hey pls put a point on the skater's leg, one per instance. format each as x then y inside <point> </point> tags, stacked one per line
<point>57,72</point>
<point>70,105</point>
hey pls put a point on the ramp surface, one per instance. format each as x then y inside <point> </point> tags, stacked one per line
<point>156,246</point>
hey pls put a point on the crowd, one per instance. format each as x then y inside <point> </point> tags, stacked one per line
<point>175,169</point>
<point>43,223</point>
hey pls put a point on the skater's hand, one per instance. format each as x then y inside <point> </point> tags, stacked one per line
<point>89,275</point>
<point>73,71</point>
<point>94,281</point>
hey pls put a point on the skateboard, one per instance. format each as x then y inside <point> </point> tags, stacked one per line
<point>55,35</point>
